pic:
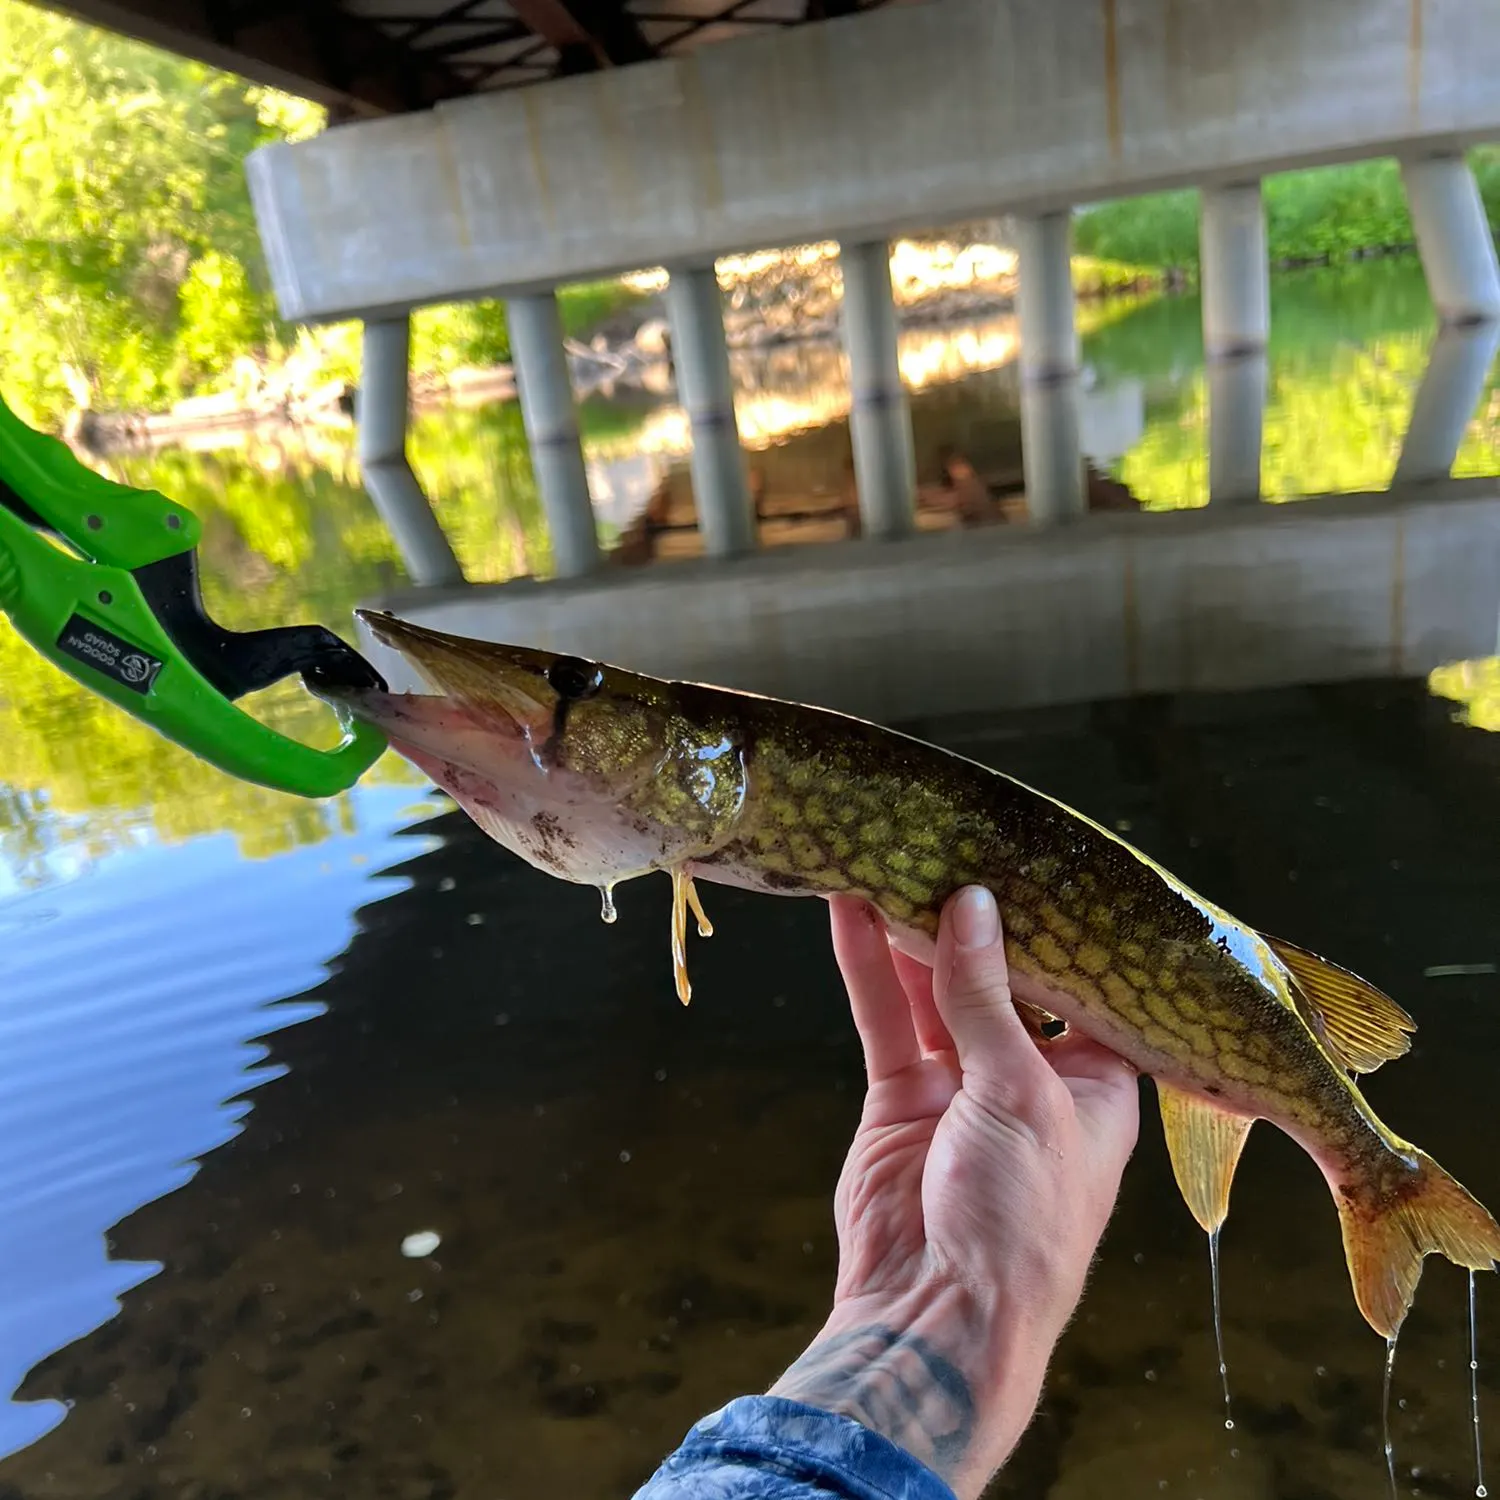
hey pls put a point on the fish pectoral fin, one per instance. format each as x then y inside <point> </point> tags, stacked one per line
<point>685,898</point>
<point>1204,1143</point>
<point>1036,1020</point>
<point>1360,1027</point>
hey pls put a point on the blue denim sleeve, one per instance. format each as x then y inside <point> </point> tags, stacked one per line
<point>765,1448</point>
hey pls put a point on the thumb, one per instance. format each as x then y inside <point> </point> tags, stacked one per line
<point>998,1058</point>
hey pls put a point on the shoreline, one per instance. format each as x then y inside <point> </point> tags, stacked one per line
<point>605,362</point>
<point>771,300</point>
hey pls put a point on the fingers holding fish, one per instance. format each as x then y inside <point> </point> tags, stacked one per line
<point>882,1012</point>
<point>1106,1095</point>
<point>916,979</point>
<point>1002,1067</point>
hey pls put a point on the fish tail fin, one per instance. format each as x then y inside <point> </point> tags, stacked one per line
<point>1410,1210</point>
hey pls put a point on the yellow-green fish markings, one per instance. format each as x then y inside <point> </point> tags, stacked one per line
<point>598,775</point>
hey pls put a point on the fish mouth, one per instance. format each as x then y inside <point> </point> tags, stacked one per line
<point>508,684</point>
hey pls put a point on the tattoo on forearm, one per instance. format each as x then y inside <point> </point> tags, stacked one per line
<point>894,1383</point>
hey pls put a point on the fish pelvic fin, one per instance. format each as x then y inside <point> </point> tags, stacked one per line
<point>1389,1227</point>
<point>1204,1143</point>
<point>1360,1027</point>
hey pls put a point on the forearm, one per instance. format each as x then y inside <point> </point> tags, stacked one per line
<point>949,1376</point>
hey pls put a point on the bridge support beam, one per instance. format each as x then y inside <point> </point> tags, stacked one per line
<point>885,470</point>
<point>382,405</point>
<point>1051,451</point>
<point>536,346</point>
<point>700,356</point>
<point>1453,236</point>
<point>1044,295</point>
<point>1235,275</point>
<point>1235,270</point>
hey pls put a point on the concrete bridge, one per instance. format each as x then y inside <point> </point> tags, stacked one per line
<point>887,118</point>
<point>859,128</point>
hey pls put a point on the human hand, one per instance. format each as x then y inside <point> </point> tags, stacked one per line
<point>981,1177</point>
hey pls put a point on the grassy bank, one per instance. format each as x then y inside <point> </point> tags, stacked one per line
<point>1314,217</point>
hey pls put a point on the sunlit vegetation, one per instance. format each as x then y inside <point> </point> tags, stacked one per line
<point>1325,214</point>
<point>1348,351</point>
<point>1475,685</point>
<point>130,269</point>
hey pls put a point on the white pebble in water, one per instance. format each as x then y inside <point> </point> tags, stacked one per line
<point>422,1243</point>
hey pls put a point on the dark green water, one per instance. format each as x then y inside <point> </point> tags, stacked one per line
<point>248,1045</point>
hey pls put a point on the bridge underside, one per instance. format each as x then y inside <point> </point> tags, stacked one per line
<point>366,58</point>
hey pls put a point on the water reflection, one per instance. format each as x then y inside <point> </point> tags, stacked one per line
<point>132,1008</point>
<point>1451,388</point>
<point>1236,421</point>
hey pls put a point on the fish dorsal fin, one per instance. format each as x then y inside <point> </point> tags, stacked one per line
<point>1360,1027</point>
<point>1204,1143</point>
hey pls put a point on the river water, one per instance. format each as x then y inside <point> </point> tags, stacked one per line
<point>249,1046</point>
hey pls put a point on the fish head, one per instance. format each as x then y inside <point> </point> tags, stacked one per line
<point>587,771</point>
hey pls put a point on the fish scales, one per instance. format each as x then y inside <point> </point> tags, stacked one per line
<point>1081,911</point>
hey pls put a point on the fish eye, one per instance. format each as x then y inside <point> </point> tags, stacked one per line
<point>572,677</point>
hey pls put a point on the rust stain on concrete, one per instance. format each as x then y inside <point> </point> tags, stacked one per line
<point>1414,62</point>
<point>1112,78</point>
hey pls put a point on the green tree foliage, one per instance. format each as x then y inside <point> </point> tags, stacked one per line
<point>130,269</point>
<point>1328,213</point>
<point>128,255</point>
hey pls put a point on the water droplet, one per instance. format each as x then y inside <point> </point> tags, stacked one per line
<point>1213,1273</point>
<point>414,1295</point>
<point>421,1244</point>
<point>624,1156</point>
<point>1479,1487</point>
<point>475,919</point>
<point>1385,1414</point>
<point>607,903</point>
<point>447,883</point>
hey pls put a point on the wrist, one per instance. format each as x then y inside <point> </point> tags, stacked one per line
<point>949,1373</point>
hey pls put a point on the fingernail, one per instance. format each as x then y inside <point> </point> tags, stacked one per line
<point>976,919</point>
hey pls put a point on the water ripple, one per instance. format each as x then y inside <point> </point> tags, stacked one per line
<point>131,1007</point>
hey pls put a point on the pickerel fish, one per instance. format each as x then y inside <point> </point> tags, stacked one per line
<point>598,775</point>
